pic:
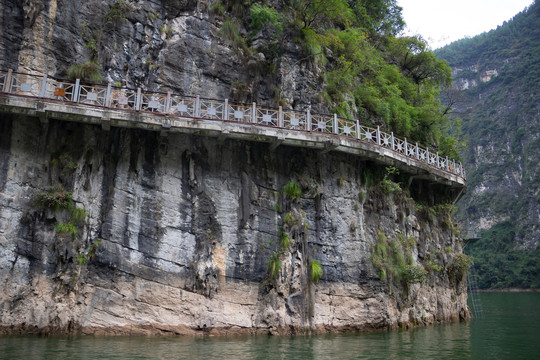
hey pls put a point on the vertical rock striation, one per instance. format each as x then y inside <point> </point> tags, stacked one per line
<point>178,232</point>
<point>126,231</point>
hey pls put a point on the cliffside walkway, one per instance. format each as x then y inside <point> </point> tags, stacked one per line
<point>49,98</point>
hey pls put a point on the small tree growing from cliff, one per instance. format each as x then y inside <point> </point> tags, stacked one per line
<point>459,267</point>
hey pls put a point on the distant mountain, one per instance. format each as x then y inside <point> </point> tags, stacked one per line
<point>496,94</point>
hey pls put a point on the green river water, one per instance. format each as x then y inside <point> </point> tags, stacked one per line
<point>508,328</point>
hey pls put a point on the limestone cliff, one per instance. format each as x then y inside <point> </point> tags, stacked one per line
<point>498,75</point>
<point>178,231</point>
<point>127,231</point>
<point>158,45</point>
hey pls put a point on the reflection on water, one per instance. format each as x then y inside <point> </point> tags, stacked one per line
<point>444,341</point>
<point>510,329</point>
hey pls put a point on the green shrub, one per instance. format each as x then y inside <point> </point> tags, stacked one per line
<point>91,252</point>
<point>117,13</point>
<point>312,46</point>
<point>91,45</point>
<point>67,229</point>
<point>460,264</point>
<point>316,270</point>
<point>413,274</point>
<point>231,34</point>
<point>369,177</point>
<point>55,198</point>
<point>289,219</point>
<point>284,239</point>
<point>217,8</point>
<point>426,212</point>
<point>432,264</point>
<point>388,185</point>
<point>407,242</point>
<point>362,194</point>
<point>82,259</point>
<point>293,190</point>
<point>274,266</point>
<point>399,257</point>
<point>393,259</point>
<point>262,15</point>
<point>89,71</point>
<point>78,215</point>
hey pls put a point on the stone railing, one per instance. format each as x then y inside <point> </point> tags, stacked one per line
<point>197,107</point>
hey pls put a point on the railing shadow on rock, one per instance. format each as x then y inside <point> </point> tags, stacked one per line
<point>196,107</point>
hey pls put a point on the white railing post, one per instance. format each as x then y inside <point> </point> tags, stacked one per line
<point>406,147</point>
<point>8,81</point>
<point>138,100</point>
<point>108,94</point>
<point>254,113</point>
<point>75,95</point>
<point>168,103</point>
<point>43,88</point>
<point>454,167</point>
<point>196,111</point>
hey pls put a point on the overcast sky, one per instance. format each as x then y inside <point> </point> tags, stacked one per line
<point>442,21</point>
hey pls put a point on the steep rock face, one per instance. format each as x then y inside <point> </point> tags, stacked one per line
<point>161,45</point>
<point>497,73</point>
<point>177,234</point>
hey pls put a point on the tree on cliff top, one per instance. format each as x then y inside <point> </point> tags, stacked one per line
<point>365,71</point>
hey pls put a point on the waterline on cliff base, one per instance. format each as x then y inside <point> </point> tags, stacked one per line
<point>509,330</point>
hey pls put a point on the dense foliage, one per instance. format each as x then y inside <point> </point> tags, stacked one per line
<point>367,72</point>
<point>499,264</point>
<point>500,118</point>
